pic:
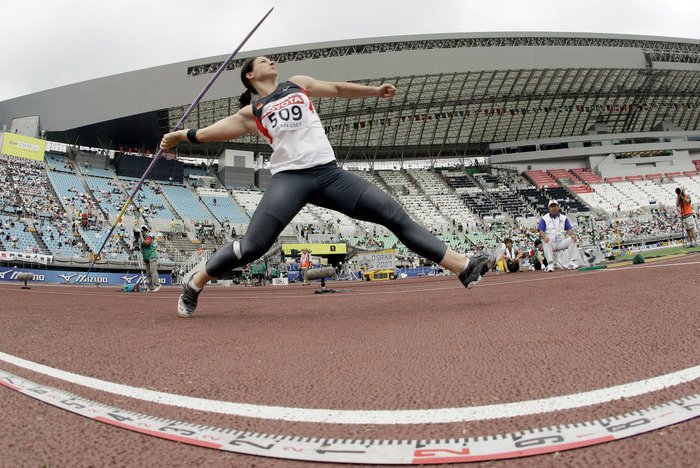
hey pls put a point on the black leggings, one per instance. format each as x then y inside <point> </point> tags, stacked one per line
<point>327,186</point>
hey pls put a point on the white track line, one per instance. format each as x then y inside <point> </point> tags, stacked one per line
<point>384,417</point>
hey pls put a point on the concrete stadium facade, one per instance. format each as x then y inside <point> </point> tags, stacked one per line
<point>458,94</point>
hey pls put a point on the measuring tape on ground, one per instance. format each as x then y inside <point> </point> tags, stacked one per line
<point>370,451</point>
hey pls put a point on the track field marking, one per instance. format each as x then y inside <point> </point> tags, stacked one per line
<point>382,417</point>
<point>521,443</point>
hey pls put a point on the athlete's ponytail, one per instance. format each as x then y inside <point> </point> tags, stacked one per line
<point>247,97</point>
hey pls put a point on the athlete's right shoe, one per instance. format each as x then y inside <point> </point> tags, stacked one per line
<point>480,265</point>
<point>187,303</point>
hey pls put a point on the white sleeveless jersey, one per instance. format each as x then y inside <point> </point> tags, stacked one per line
<point>289,122</point>
<point>555,227</point>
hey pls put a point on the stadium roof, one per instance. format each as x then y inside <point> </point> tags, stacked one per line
<point>457,93</point>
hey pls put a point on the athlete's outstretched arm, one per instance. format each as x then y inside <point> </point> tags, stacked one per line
<point>318,88</point>
<point>234,126</point>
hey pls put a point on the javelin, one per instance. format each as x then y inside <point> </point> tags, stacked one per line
<point>176,127</point>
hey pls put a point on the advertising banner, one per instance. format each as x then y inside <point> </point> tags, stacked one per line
<point>383,260</point>
<point>78,277</point>
<point>316,249</point>
<point>26,257</point>
<point>22,146</point>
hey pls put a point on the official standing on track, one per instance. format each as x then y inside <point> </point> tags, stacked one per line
<point>304,264</point>
<point>304,170</point>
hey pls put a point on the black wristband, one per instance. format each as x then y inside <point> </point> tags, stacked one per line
<point>192,135</point>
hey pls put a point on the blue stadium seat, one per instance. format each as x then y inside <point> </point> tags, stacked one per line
<point>185,203</point>
<point>223,208</point>
<point>153,204</point>
<point>20,240</point>
<point>107,194</point>
<point>69,190</point>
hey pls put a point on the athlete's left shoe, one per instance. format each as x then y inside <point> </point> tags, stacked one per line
<point>156,289</point>
<point>187,303</point>
<point>480,265</point>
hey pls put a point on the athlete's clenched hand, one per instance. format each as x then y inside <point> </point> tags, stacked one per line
<point>171,139</point>
<point>386,91</point>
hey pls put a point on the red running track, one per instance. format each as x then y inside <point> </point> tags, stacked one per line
<point>407,344</point>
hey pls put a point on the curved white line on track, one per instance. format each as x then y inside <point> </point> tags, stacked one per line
<point>383,417</point>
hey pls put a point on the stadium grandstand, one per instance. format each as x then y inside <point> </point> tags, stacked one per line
<point>484,130</point>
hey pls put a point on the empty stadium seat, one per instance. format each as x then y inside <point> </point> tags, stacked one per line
<point>185,203</point>
<point>71,192</point>
<point>586,176</point>
<point>397,181</point>
<point>107,193</point>
<point>460,181</point>
<point>91,170</point>
<point>423,211</point>
<point>224,209</point>
<point>59,162</point>
<point>153,204</point>
<point>429,182</point>
<point>541,179</point>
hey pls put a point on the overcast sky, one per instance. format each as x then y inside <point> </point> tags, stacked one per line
<point>49,43</point>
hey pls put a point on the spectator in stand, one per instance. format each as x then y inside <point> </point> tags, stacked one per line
<point>558,236</point>
<point>685,206</point>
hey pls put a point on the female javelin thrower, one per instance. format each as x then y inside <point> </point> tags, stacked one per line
<point>304,170</point>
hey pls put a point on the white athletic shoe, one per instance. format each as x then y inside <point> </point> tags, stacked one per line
<point>156,289</point>
<point>480,265</point>
<point>550,268</point>
<point>187,303</point>
<point>572,266</point>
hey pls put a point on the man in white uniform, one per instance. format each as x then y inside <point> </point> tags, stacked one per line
<point>558,236</point>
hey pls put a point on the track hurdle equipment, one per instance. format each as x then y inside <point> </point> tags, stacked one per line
<point>25,277</point>
<point>322,274</point>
